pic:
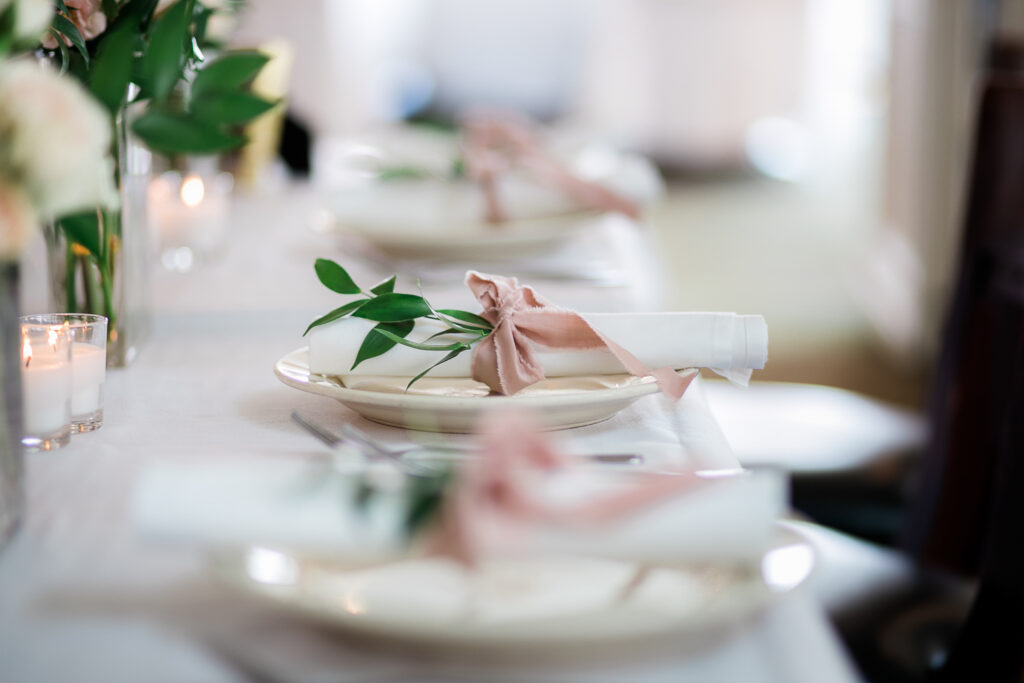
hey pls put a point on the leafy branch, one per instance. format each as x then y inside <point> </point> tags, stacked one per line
<point>395,314</point>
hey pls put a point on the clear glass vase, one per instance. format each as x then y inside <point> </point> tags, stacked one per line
<point>11,455</point>
<point>113,282</point>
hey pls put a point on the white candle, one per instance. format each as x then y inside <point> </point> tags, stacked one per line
<point>46,392</point>
<point>88,372</point>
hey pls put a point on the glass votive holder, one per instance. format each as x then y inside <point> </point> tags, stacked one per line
<point>190,216</point>
<point>88,368</point>
<point>45,382</point>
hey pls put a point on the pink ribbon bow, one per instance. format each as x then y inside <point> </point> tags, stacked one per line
<point>505,360</point>
<point>494,500</point>
<point>493,144</point>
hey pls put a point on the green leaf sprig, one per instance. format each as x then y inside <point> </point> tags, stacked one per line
<point>395,314</point>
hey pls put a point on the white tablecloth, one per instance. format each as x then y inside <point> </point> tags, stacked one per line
<point>83,598</point>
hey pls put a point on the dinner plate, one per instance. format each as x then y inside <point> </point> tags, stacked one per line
<point>551,602</point>
<point>464,239</point>
<point>454,405</point>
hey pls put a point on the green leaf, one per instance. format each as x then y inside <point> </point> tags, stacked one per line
<point>376,344</point>
<point>64,26</point>
<point>228,73</point>
<point>112,68</point>
<point>339,312</point>
<point>230,107</point>
<point>83,228</point>
<point>467,317</point>
<point>162,62</point>
<point>335,278</point>
<point>136,12</point>
<point>401,173</point>
<point>385,287</point>
<point>423,347</point>
<point>450,330</point>
<point>65,54</point>
<point>174,133</point>
<point>447,358</point>
<point>110,10</point>
<point>393,307</point>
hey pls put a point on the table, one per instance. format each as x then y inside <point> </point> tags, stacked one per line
<point>84,598</point>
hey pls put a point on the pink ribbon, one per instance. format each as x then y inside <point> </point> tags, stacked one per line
<point>493,500</point>
<point>494,144</point>
<point>505,360</point>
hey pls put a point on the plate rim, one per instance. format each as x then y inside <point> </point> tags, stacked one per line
<point>757,596</point>
<point>645,387</point>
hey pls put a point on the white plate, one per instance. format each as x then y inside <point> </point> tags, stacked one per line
<point>468,239</point>
<point>454,405</point>
<point>551,602</point>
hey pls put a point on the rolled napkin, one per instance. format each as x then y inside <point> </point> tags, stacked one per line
<point>720,341</point>
<point>302,508</point>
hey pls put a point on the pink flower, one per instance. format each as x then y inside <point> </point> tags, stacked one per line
<point>88,18</point>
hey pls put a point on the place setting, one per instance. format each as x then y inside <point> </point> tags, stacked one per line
<point>348,343</point>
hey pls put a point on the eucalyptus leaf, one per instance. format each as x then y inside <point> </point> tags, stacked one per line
<point>376,343</point>
<point>335,278</point>
<point>339,312</point>
<point>112,68</point>
<point>64,26</point>
<point>83,228</point>
<point>175,133</point>
<point>162,61</point>
<point>393,307</point>
<point>230,107</point>
<point>228,73</point>
<point>385,287</point>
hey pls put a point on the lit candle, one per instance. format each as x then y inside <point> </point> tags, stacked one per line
<point>190,216</point>
<point>46,387</point>
<point>88,372</point>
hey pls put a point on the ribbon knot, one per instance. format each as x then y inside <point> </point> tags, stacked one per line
<point>506,360</point>
<point>493,144</point>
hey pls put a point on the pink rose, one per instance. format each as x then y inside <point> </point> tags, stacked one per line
<point>88,18</point>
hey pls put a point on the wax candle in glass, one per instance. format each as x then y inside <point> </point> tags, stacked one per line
<point>46,382</point>
<point>88,367</point>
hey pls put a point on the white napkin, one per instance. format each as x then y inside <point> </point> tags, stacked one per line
<point>453,206</point>
<point>305,508</point>
<point>677,340</point>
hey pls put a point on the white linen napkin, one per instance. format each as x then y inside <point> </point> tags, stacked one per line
<point>307,508</point>
<point>678,340</point>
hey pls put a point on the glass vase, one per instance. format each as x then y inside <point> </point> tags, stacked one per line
<point>11,454</point>
<point>114,281</point>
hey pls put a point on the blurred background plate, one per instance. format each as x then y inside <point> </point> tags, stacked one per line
<point>541,603</point>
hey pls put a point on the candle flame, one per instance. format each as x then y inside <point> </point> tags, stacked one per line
<point>52,338</point>
<point>192,191</point>
<point>26,351</point>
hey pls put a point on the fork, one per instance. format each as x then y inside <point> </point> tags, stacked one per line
<point>379,450</point>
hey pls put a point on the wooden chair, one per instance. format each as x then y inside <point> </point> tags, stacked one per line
<point>967,510</point>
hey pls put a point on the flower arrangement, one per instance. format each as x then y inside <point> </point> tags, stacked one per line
<point>45,118</point>
<point>144,62</point>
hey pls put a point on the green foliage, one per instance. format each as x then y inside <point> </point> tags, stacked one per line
<point>396,314</point>
<point>156,53</point>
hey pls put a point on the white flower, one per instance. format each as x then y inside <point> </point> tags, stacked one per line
<point>55,141</point>
<point>17,222</point>
<point>31,18</point>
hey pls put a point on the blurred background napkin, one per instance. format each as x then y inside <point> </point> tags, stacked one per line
<point>308,508</point>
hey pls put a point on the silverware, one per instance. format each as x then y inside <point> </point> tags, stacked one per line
<point>396,454</point>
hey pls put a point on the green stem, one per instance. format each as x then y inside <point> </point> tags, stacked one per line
<point>106,284</point>
<point>70,263</point>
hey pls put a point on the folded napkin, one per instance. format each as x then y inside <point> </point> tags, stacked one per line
<point>721,341</point>
<point>305,508</point>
